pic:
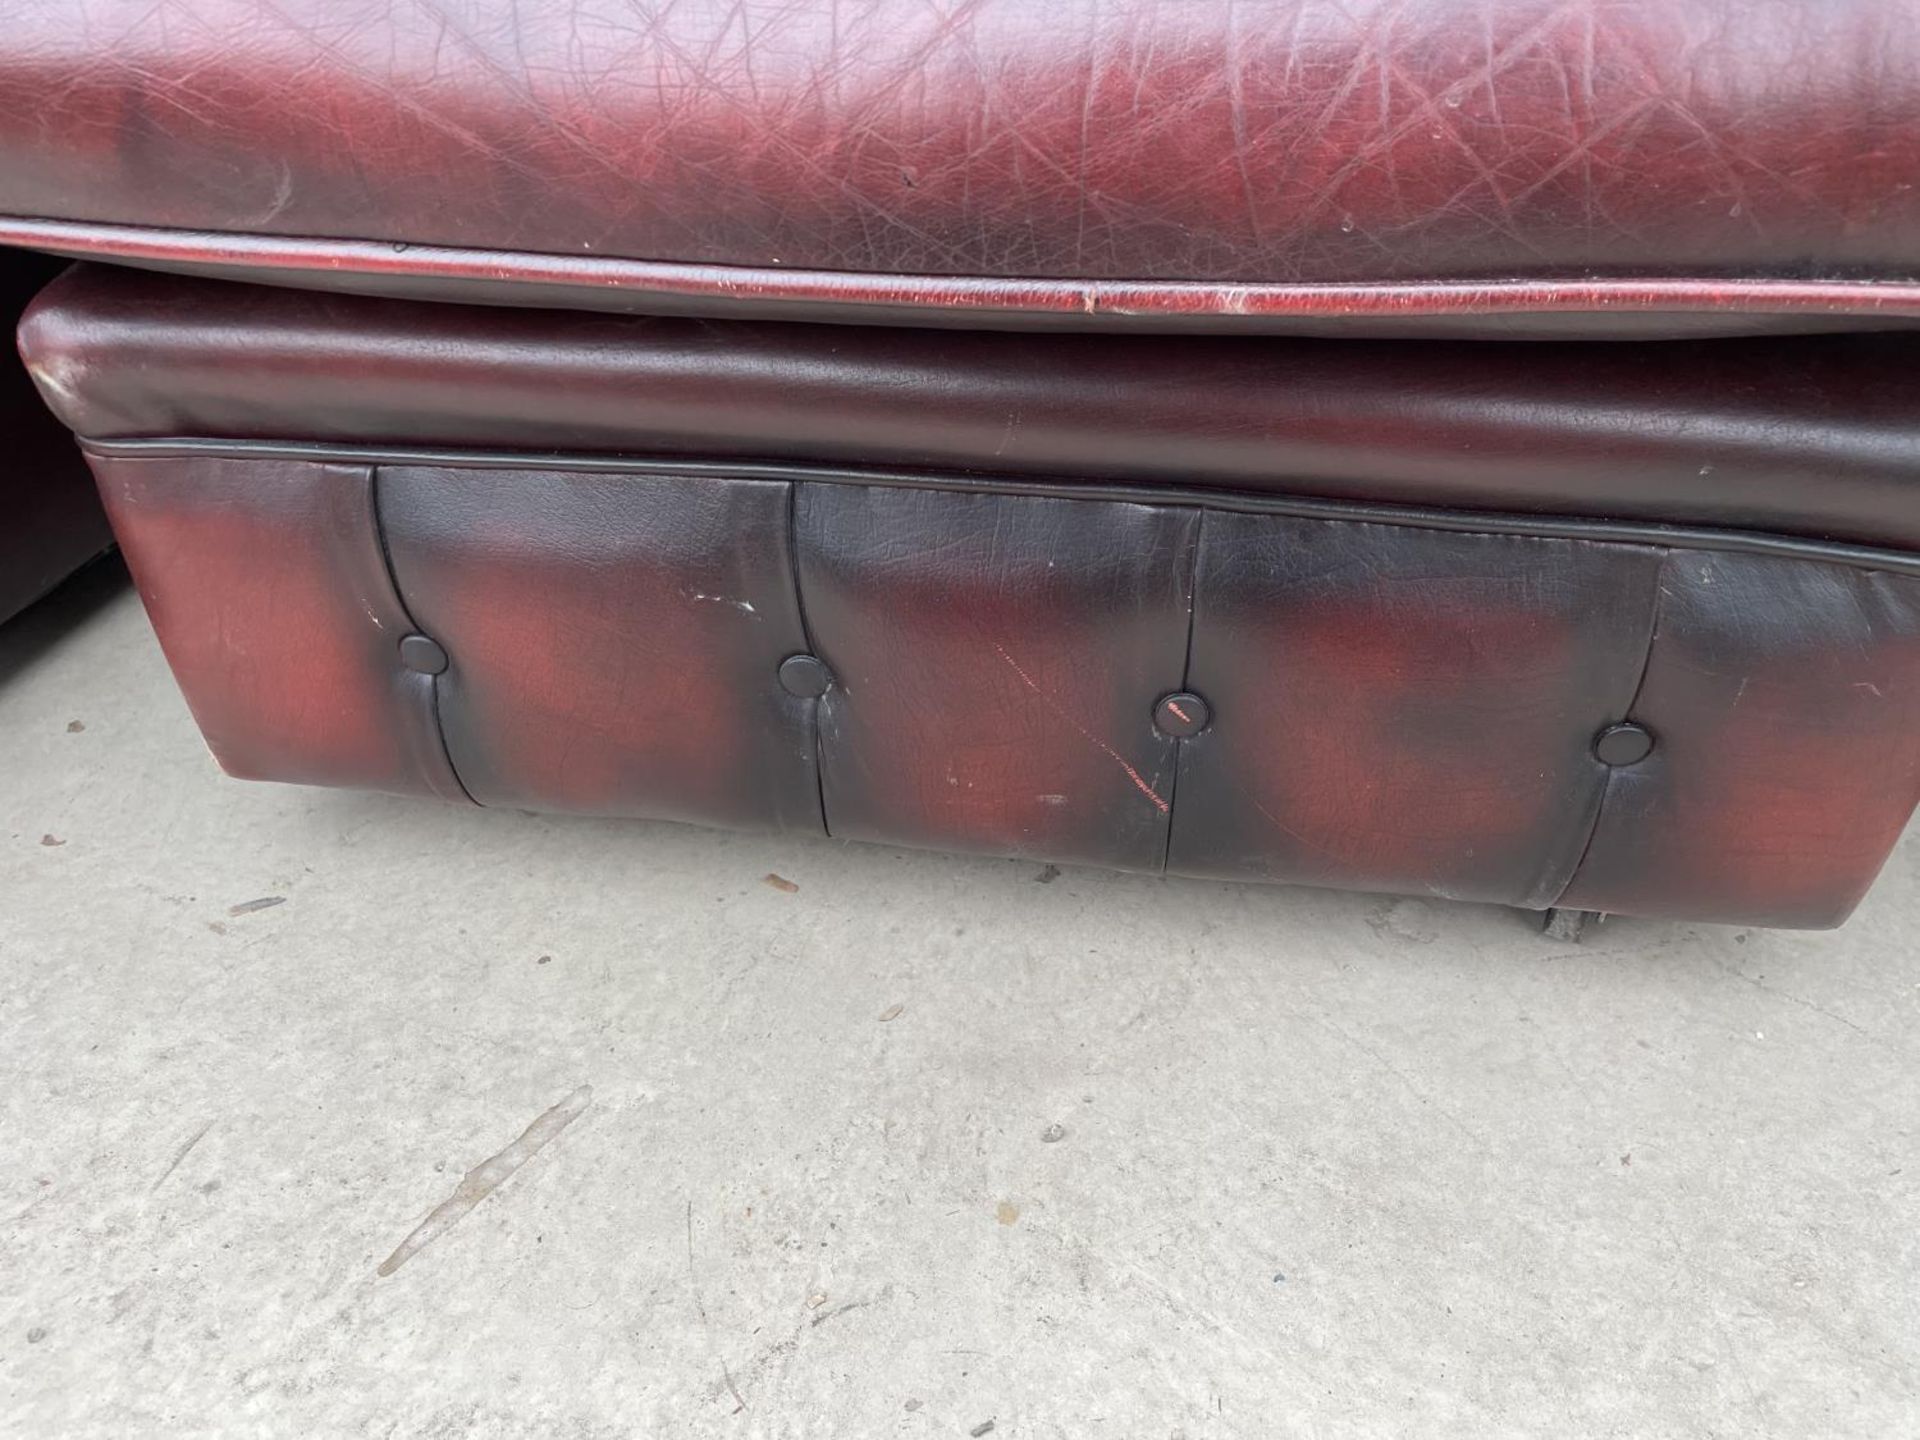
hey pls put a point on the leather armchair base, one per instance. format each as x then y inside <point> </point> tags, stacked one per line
<point>1619,722</point>
<point>1608,627</point>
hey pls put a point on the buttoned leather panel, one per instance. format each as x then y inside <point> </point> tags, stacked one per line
<point>613,640</point>
<point>1807,435</point>
<point>266,584</point>
<point>996,662</point>
<point>1404,710</point>
<point>1157,140</point>
<point>1785,704</point>
<point>1391,706</point>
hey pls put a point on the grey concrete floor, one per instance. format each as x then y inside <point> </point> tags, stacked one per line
<point>1130,1157</point>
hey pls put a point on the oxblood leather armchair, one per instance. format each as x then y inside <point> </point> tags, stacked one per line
<point>1466,449</point>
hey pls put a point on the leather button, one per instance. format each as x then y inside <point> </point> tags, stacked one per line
<point>1623,744</point>
<point>1181,714</point>
<point>805,677</point>
<point>422,655</point>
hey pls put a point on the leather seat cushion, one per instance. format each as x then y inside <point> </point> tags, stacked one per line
<point>1296,162</point>
<point>1800,436</point>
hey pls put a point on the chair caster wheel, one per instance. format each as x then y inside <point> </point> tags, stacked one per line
<point>1567,925</point>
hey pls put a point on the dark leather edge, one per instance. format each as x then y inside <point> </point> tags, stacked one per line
<point>1471,521</point>
<point>1590,307</point>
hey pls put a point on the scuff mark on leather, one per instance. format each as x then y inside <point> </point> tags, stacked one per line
<point>488,1176</point>
<point>1112,754</point>
<point>745,607</point>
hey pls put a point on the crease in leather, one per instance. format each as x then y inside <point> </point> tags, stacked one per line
<point>431,683</point>
<point>806,634</point>
<point>1186,679</point>
<point>1082,139</point>
<point>1597,809</point>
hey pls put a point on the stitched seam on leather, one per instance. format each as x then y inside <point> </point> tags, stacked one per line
<point>980,294</point>
<point>1654,611</point>
<point>1456,519</point>
<point>806,638</point>
<point>1186,681</point>
<point>406,611</point>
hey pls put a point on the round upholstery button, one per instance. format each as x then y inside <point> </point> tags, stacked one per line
<point>1181,714</point>
<point>805,677</point>
<point>423,655</point>
<point>1623,744</point>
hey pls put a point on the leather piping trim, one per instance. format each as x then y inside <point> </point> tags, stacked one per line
<point>854,291</point>
<point>459,789</point>
<point>1475,522</point>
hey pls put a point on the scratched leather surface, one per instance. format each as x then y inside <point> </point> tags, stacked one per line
<point>1393,707</point>
<point>997,660</point>
<point>1297,140</point>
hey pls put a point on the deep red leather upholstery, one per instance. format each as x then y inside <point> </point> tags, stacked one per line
<point>997,659</point>
<point>1755,155</point>
<point>1399,698</point>
<point>1807,436</point>
<point>614,682</point>
<point>1804,772</point>
<point>50,517</point>
<point>1426,704</point>
<point>1630,627</point>
<point>1393,706</point>
<point>267,579</point>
